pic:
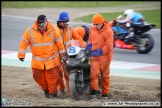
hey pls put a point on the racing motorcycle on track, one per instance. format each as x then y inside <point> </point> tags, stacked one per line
<point>142,42</point>
<point>77,65</point>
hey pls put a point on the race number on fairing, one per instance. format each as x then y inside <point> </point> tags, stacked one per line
<point>73,50</point>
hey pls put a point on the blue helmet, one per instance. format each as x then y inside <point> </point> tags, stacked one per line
<point>64,16</point>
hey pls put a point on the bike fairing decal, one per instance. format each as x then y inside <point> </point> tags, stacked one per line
<point>119,29</point>
<point>72,50</point>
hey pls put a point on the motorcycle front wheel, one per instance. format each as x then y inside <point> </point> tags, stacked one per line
<point>146,45</point>
<point>76,87</point>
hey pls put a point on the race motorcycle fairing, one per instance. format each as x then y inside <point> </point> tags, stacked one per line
<point>141,41</point>
<point>77,66</point>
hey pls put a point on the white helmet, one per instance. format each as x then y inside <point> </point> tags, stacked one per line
<point>128,12</point>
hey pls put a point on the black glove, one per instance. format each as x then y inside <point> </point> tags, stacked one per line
<point>64,57</point>
<point>115,22</point>
<point>21,59</point>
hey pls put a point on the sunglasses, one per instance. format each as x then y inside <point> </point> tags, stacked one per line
<point>42,24</point>
<point>65,22</point>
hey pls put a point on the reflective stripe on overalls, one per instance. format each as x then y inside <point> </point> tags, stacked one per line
<point>42,44</point>
<point>69,35</point>
<point>23,51</point>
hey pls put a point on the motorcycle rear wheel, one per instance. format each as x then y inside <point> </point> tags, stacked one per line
<point>147,45</point>
<point>76,88</point>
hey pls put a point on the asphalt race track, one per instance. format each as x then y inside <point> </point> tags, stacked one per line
<point>13,28</point>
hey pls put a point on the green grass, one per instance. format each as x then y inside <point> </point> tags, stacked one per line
<point>151,16</point>
<point>63,4</point>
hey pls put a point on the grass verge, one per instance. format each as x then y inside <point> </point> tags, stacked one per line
<point>151,16</point>
<point>68,4</point>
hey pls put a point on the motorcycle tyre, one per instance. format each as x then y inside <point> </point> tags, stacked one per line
<point>74,93</point>
<point>150,44</point>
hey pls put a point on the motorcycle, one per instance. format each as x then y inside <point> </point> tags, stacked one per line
<point>77,65</point>
<point>141,42</point>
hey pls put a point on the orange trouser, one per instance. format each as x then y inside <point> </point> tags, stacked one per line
<point>66,76</point>
<point>95,69</point>
<point>47,79</point>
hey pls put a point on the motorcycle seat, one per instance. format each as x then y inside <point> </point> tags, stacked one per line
<point>150,25</point>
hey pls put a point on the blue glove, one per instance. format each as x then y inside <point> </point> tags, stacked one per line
<point>97,52</point>
<point>88,47</point>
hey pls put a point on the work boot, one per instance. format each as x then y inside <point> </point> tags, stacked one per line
<point>93,94</point>
<point>105,96</point>
<point>53,95</point>
<point>99,91</point>
<point>46,93</point>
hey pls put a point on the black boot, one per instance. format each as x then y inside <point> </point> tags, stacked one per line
<point>104,96</point>
<point>130,33</point>
<point>53,95</point>
<point>99,91</point>
<point>93,94</point>
<point>46,93</point>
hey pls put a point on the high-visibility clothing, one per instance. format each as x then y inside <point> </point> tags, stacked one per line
<point>102,38</point>
<point>47,79</point>
<point>103,68</point>
<point>67,34</point>
<point>45,48</point>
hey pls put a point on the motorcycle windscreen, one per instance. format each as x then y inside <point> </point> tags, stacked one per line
<point>73,47</point>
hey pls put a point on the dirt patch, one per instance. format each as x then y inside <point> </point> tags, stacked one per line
<point>18,83</point>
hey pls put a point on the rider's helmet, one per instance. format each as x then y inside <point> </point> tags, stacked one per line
<point>64,17</point>
<point>81,31</point>
<point>128,12</point>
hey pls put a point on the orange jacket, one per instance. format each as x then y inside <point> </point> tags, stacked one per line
<point>45,48</point>
<point>69,33</point>
<point>102,39</point>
